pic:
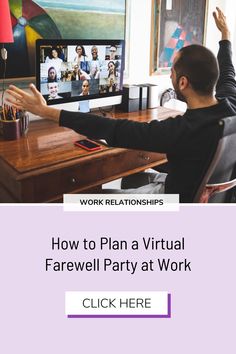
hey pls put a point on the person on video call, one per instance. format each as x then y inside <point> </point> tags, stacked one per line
<point>189,140</point>
<point>53,88</point>
<point>52,74</point>
<point>81,58</point>
<point>84,105</point>
<point>111,85</point>
<point>79,74</point>
<point>94,64</point>
<point>112,71</point>
<point>113,52</point>
<point>54,60</point>
<point>85,88</point>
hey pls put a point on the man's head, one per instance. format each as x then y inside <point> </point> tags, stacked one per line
<point>94,52</point>
<point>112,51</point>
<point>53,89</point>
<point>194,67</point>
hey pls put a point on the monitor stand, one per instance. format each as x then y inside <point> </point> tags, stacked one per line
<point>84,106</point>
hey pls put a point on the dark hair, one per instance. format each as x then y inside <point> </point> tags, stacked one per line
<point>87,82</point>
<point>111,61</point>
<point>49,79</point>
<point>83,50</point>
<point>200,66</point>
<point>56,49</point>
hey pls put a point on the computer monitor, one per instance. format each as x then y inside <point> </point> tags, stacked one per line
<point>77,70</point>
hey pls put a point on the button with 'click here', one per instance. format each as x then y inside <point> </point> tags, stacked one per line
<point>126,304</point>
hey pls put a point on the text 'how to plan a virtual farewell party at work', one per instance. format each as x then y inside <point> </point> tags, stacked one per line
<point>126,264</point>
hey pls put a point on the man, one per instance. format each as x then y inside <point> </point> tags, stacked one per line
<point>94,64</point>
<point>113,51</point>
<point>189,140</point>
<point>94,52</point>
<point>53,90</point>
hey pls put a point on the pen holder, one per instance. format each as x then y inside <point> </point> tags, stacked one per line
<point>12,129</point>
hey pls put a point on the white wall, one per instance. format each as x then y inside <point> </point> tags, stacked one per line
<point>138,21</point>
<point>138,39</point>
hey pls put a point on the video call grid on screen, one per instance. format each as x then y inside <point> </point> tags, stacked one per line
<point>75,70</point>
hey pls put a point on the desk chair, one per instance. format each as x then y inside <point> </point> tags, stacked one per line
<point>218,184</point>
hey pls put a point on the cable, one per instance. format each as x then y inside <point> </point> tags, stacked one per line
<point>4,57</point>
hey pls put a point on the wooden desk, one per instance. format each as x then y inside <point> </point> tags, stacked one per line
<point>45,164</point>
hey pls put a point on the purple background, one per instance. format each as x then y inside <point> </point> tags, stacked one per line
<point>32,314</point>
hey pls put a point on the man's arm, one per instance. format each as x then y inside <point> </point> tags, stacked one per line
<point>156,136</point>
<point>153,136</point>
<point>32,102</point>
<point>226,85</point>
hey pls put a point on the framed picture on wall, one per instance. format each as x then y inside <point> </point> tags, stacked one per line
<point>175,24</point>
<point>53,19</point>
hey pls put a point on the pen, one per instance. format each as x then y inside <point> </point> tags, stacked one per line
<point>3,112</point>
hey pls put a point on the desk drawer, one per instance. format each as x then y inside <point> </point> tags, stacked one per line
<point>89,174</point>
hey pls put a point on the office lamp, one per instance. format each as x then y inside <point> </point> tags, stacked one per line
<point>6,35</point>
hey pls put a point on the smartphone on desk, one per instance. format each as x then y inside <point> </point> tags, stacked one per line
<point>88,145</point>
